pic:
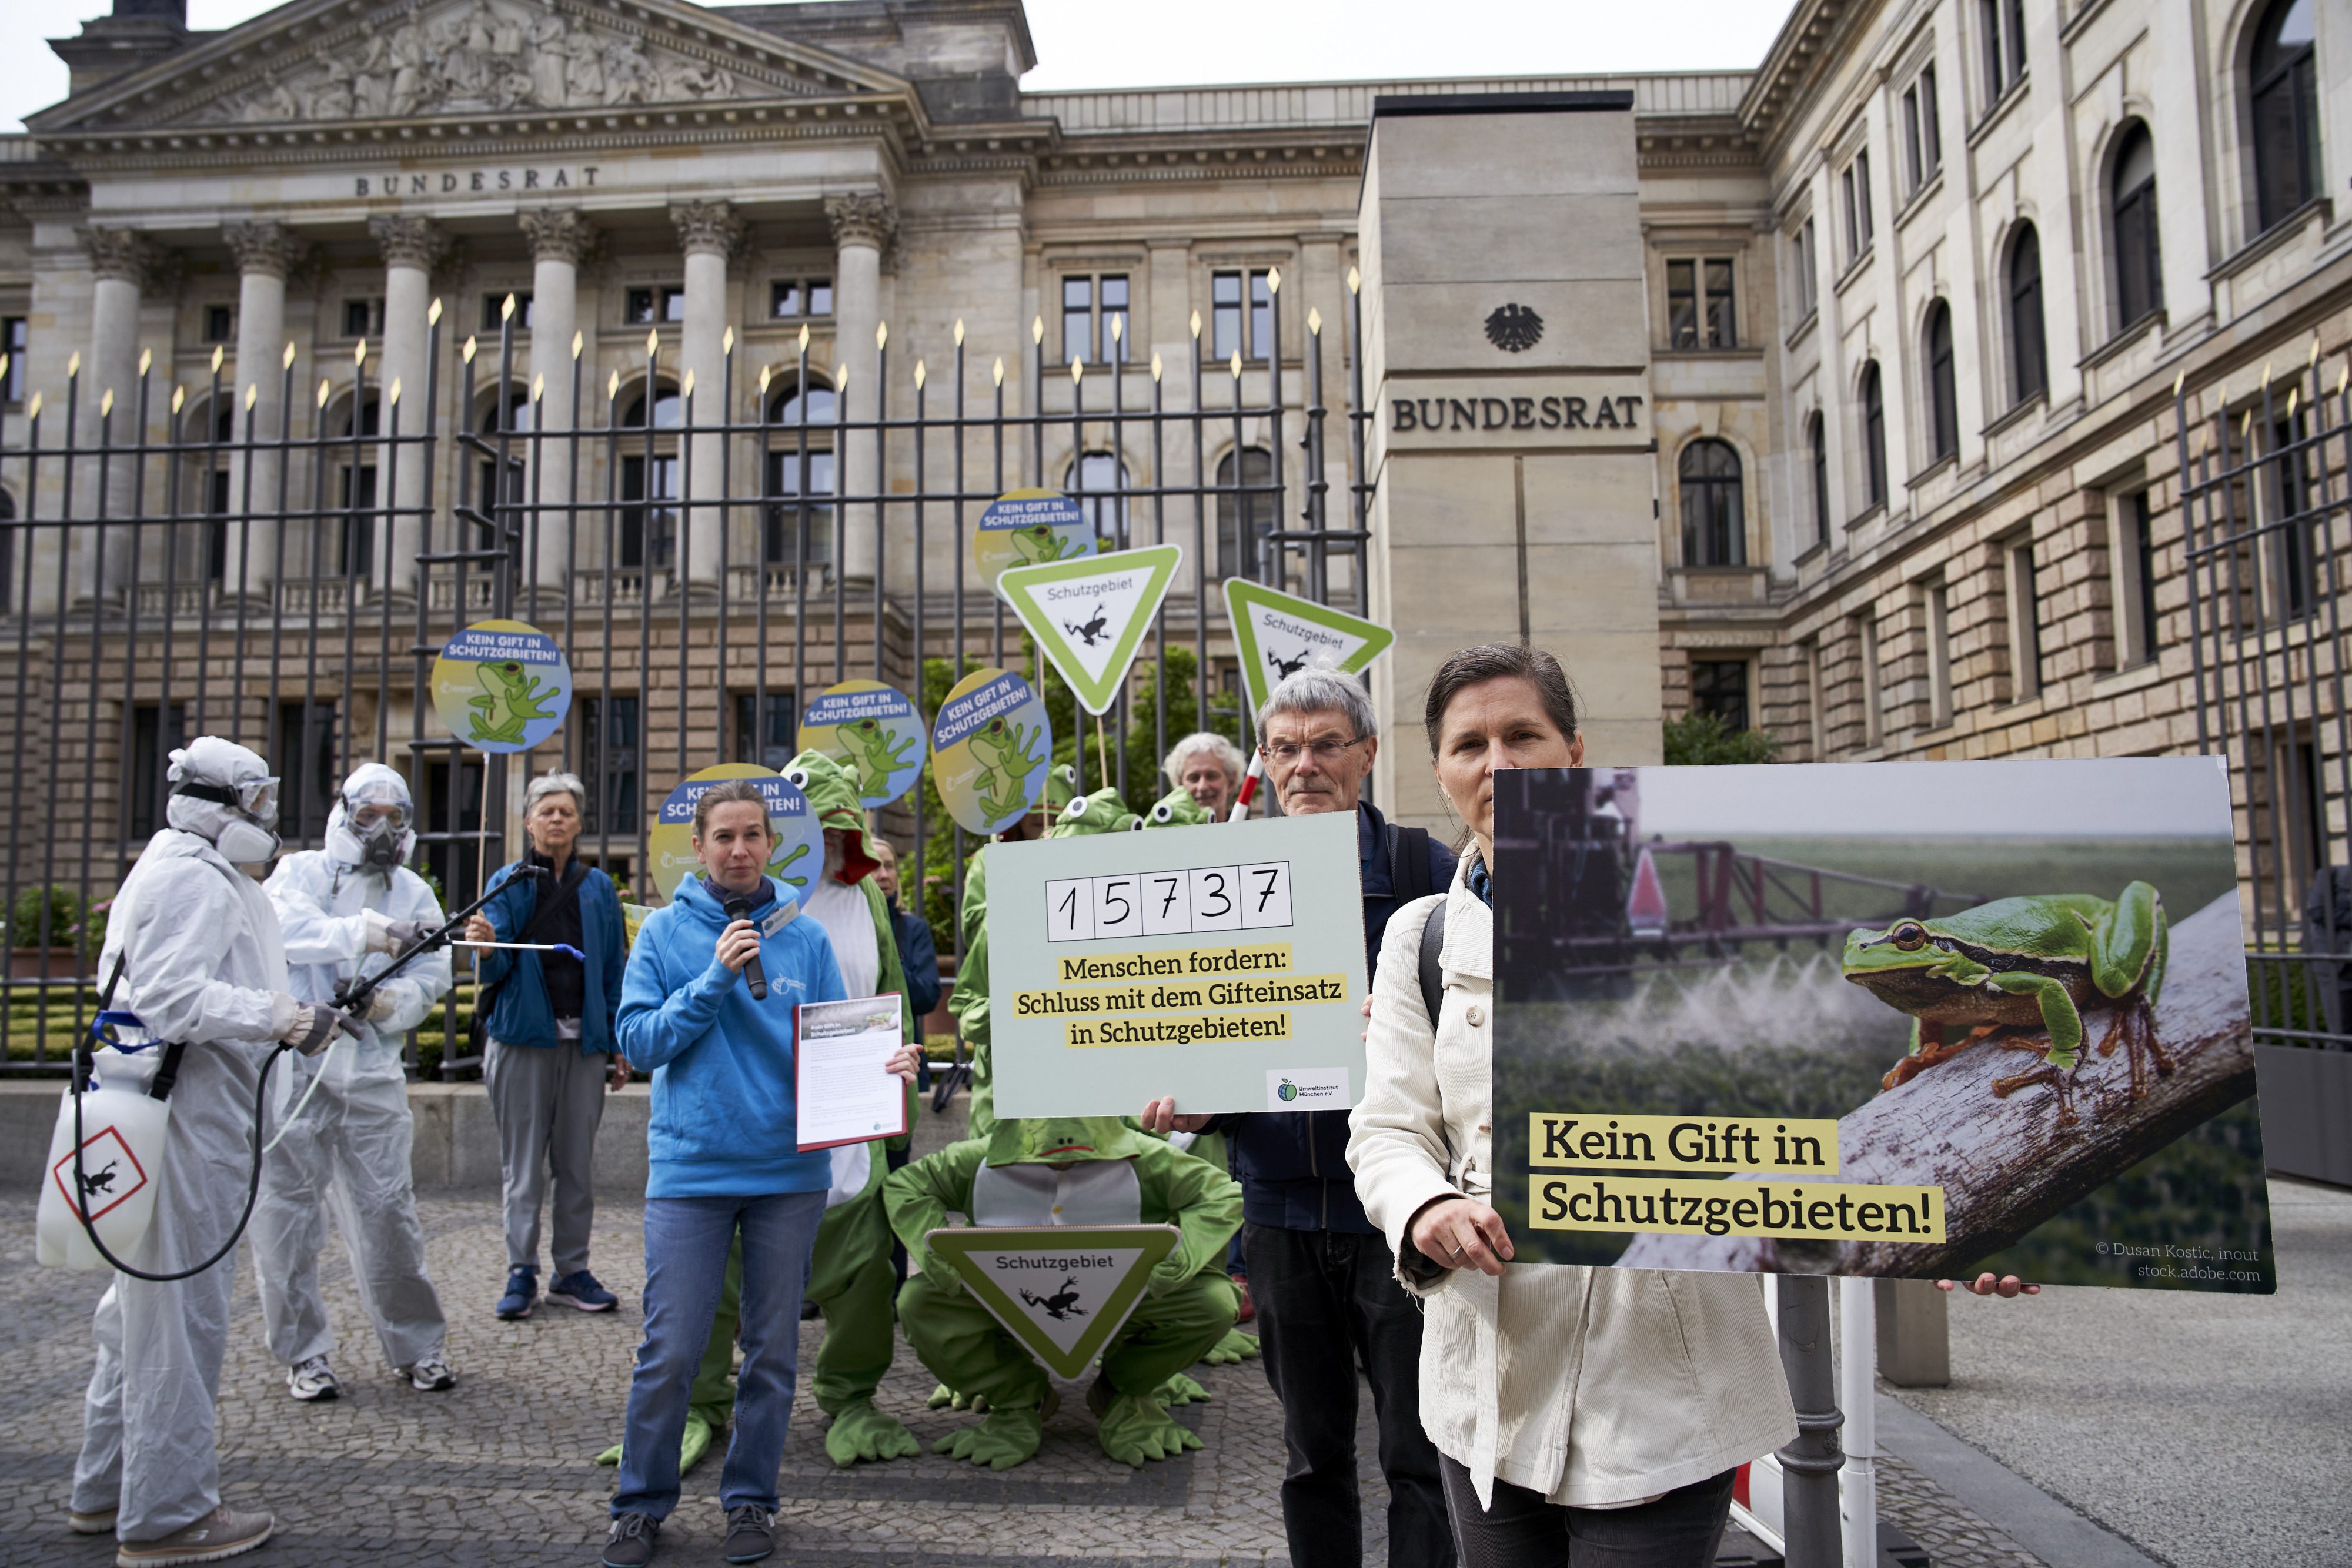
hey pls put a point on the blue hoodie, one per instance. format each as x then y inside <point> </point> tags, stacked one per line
<point>724,1122</point>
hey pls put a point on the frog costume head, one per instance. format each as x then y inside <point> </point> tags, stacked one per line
<point>1100,812</point>
<point>834,794</point>
<point>1061,788</point>
<point>1060,1140</point>
<point>1176,808</point>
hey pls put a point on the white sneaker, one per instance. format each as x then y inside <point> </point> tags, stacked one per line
<point>313,1380</point>
<point>224,1532</point>
<point>431,1375</point>
<point>99,1523</point>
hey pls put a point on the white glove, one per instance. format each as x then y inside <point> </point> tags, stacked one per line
<point>382,1002</point>
<point>314,1028</point>
<point>388,935</point>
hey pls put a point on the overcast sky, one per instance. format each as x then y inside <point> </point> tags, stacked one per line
<point>1158,42</point>
<point>2131,798</point>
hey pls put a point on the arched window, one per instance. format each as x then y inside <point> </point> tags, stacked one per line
<point>1244,509</point>
<point>1714,518</point>
<point>795,531</point>
<point>1099,482</point>
<point>2283,76</point>
<point>2139,272</point>
<point>1943,390</point>
<point>2028,350</point>
<point>1873,436</point>
<point>1817,442</point>
<point>650,533</point>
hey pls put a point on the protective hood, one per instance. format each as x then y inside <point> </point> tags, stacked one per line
<point>243,836</point>
<point>1176,808</point>
<point>1100,812</point>
<point>833,789</point>
<point>381,848</point>
<point>1042,1140</point>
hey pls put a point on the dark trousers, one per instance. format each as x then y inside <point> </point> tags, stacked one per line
<point>1324,1301</point>
<point>1680,1530</point>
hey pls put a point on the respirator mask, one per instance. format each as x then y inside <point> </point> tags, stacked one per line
<point>247,838</point>
<point>369,830</point>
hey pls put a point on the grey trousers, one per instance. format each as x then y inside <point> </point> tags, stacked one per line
<point>547,1100</point>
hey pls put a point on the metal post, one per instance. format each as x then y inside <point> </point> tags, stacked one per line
<point>1809,1465</point>
<point>1857,1391</point>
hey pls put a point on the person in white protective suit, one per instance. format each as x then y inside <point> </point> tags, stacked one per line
<point>202,964</point>
<point>345,911</point>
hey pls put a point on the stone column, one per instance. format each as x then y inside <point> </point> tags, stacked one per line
<point>123,262</point>
<point>412,248</point>
<point>559,239</point>
<point>1512,383</point>
<point>264,253</point>
<point>710,233</point>
<point>862,224</point>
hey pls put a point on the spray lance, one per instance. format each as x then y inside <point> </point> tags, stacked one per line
<point>149,1112</point>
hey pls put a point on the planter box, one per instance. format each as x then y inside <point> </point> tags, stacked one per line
<point>44,964</point>
<point>2306,1100</point>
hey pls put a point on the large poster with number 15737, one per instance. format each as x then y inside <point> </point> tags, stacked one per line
<point>1223,965</point>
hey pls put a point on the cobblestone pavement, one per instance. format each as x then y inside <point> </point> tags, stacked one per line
<point>1953,1537</point>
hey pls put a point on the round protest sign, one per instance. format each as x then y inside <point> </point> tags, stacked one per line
<point>989,750</point>
<point>874,728</point>
<point>1029,527</point>
<point>800,838</point>
<point>501,686</point>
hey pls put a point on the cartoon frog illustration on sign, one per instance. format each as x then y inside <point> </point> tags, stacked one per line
<point>1003,752</point>
<point>2024,963</point>
<point>1040,544</point>
<point>874,751</point>
<point>510,698</point>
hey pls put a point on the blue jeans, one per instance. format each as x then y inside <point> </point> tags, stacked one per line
<point>686,1241</point>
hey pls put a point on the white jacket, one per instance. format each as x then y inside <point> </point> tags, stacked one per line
<point>1592,1387</point>
<point>322,907</point>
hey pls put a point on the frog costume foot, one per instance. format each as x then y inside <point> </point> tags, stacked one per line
<point>862,1433</point>
<point>1004,1439</point>
<point>1233,1349</point>
<point>946,1399</point>
<point>691,1446</point>
<point>1180,1390</point>
<point>1134,1428</point>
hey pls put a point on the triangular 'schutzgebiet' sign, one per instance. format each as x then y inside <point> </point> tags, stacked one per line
<point>1277,634</point>
<point>1061,1291</point>
<point>1089,616</point>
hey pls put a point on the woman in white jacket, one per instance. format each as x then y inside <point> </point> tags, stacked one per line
<point>1602,1407</point>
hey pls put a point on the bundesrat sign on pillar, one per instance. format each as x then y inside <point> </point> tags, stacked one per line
<point>1507,361</point>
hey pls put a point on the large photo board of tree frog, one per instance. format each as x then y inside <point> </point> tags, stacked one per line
<point>1911,1019</point>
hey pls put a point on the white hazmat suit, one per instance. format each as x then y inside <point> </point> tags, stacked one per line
<point>202,964</point>
<point>348,1148</point>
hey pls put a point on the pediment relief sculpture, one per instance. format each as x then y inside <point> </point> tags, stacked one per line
<point>487,56</point>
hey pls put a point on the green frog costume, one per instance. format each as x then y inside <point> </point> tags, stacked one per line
<point>1066,1171</point>
<point>851,1278</point>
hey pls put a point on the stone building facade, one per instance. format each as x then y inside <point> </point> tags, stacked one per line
<point>1921,287</point>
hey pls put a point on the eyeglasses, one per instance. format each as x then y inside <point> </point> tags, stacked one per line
<point>1325,751</point>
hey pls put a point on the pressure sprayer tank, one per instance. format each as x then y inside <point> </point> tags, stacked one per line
<point>122,1133</point>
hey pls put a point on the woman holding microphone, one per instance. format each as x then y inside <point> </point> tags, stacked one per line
<point>723,1155</point>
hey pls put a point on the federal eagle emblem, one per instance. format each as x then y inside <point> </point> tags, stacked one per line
<point>1514,329</point>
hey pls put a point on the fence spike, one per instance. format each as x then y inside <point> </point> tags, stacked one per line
<point>106,404</point>
<point>179,393</point>
<point>392,394</point>
<point>252,391</point>
<point>959,332</point>
<point>578,343</point>
<point>2343,377</point>
<point>1037,329</point>
<point>996,376</point>
<point>919,375</point>
<point>146,359</point>
<point>1355,281</point>
<point>841,377</point>
<point>286,360</point>
<point>324,391</point>
<point>506,308</point>
<point>433,312</point>
<point>1237,364</point>
<point>2177,381</point>
<point>2314,361</point>
<point>33,409</point>
<point>468,351</point>
<point>881,333</point>
<point>1077,370</point>
<point>686,387</point>
<point>538,387</point>
<point>804,336</point>
<point>74,364</point>
<point>1196,326</point>
<point>1315,322</point>
<point>767,373</point>
<point>1118,328</point>
<point>727,341</point>
<point>612,388</point>
<point>1155,364</point>
<point>359,353</point>
<point>653,341</point>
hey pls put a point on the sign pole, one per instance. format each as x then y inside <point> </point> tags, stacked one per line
<point>1809,1465</point>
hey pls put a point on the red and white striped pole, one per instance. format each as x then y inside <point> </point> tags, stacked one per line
<point>1249,788</point>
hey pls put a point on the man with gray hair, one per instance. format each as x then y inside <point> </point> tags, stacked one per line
<point>550,1019</point>
<point>1320,1272</point>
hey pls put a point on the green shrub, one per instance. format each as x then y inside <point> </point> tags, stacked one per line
<point>65,925</point>
<point>1703,739</point>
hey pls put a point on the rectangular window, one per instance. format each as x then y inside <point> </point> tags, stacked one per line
<point>2296,562</point>
<point>665,302</point>
<point>305,763</point>
<point>2146,640</point>
<point>1722,323</point>
<point>648,534</point>
<point>1915,166</point>
<point>769,738</point>
<point>2024,624</point>
<point>354,548</point>
<point>13,341</point>
<point>1078,319</point>
<point>453,805</point>
<point>1112,343</point>
<point>156,731</point>
<point>1682,305</point>
<point>494,305</point>
<point>608,760</point>
<point>1939,655</point>
<point>1865,642</point>
<point>2002,23</point>
<point>1225,296</point>
<point>220,323</point>
<point>1699,312</point>
<point>363,317</point>
<point>796,533</point>
<point>1931,135</point>
<point>1854,189</point>
<point>1802,261</point>
<point>1719,686</point>
<point>790,299</point>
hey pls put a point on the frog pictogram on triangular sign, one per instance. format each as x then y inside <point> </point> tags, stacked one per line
<point>1061,1291</point>
<point>1277,634</point>
<point>1089,616</point>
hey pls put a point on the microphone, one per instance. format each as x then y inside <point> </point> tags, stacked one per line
<point>739,908</point>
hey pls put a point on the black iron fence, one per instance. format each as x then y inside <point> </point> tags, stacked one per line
<point>2266,494</point>
<point>171,565</point>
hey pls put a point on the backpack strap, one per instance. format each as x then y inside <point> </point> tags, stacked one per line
<point>1433,974</point>
<point>1409,863</point>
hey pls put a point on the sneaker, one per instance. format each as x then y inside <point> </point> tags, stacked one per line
<point>522,1290</point>
<point>429,1374</point>
<point>220,1534</point>
<point>630,1542</point>
<point>749,1534</point>
<point>582,1291</point>
<point>99,1523</point>
<point>313,1380</point>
